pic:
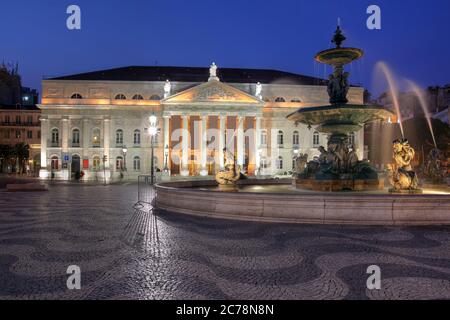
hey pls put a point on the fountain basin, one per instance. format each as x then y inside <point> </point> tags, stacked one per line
<point>263,200</point>
<point>341,119</point>
<point>339,56</point>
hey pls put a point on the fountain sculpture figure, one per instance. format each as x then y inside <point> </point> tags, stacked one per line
<point>338,167</point>
<point>433,169</point>
<point>231,173</point>
<point>402,177</point>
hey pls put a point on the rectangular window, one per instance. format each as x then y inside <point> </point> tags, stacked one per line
<point>18,120</point>
<point>17,134</point>
<point>7,119</point>
<point>30,134</point>
<point>39,134</point>
<point>30,119</point>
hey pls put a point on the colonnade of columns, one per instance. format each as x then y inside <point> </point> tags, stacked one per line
<point>203,126</point>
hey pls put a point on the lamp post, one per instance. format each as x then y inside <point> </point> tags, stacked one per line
<point>260,162</point>
<point>124,152</point>
<point>153,131</point>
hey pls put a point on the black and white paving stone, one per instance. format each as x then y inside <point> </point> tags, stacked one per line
<point>126,253</point>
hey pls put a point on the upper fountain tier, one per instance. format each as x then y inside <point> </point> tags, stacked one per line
<point>338,57</point>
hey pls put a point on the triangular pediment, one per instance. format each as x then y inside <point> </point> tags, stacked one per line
<point>213,91</point>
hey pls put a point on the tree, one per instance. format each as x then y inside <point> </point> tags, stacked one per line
<point>5,156</point>
<point>21,151</point>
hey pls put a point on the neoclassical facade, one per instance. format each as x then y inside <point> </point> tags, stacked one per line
<point>104,115</point>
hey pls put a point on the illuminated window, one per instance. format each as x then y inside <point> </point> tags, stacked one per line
<point>263,137</point>
<point>96,138</point>
<point>119,163</point>
<point>120,97</point>
<point>316,140</point>
<point>55,137</point>
<point>264,163</point>
<point>296,139</point>
<point>75,138</point>
<point>96,163</point>
<point>351,139</point>
<point>137,137</point>
<point>119,137</point>
<point>279,163</point>
<point>76,96</point>
<point>137,163</point>
<point>54,163</point>
<point>138,97</point>
<point>155,97</point>
<point>280,139</point>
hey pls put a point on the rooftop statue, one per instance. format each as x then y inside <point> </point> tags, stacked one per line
<point>167,88</point>
<point>258,90</point>
<point>213,72</point>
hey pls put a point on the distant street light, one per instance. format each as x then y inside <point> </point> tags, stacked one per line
<point>124,151</point>
<point>153,131</point>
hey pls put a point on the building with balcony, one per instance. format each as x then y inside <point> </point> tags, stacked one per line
<point>21,124</point>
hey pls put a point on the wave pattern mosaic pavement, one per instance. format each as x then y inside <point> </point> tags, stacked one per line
<point>126,253</point>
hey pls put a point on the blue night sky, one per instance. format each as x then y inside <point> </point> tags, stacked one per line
<point>282,34</point>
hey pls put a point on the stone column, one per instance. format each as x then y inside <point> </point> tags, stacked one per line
<point>44,141</point>
<point>203,128</point>
<point>185,146</point>
<point>257,143</point>
<point>222,128</point>
<point>240,140</point>
<point>86,138</point>
<point>106,141</point>
<point>65,135</point>
<point>166,145</point>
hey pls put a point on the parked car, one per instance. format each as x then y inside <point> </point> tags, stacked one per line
<point>283,175</point>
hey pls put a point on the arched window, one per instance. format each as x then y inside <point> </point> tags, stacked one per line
<point>119,163</point>
<point>280,99</point>
<point>263,137</point>
<point>296,100</point>
<point>316,140</point>
<point>75,138</point>
<point>155,97</point>
<point>296,138</point>
<point>138,97</point>
<point>137,137</point>
<point>119,137</point>
<point>280,163</point>
<point>55,163</point>
<point>351,139</point>
<point>55,137</point>
<point>96,138</point>
<point>137,164</point>
<point>96,163</point>
<point>76,96</point>
<point>120,97</point>
<point>280,139</point>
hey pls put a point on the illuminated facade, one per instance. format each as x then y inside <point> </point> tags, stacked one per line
<point>200,112</point>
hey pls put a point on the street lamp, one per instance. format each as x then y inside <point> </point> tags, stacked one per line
<point>124,151</point>
<point>153,131</point>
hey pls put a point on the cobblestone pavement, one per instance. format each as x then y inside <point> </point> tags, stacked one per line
<point>125,253</point>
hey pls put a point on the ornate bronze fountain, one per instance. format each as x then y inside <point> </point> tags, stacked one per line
<point>338,167</point>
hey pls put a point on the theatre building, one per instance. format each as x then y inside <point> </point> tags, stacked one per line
<point>105,114</point>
